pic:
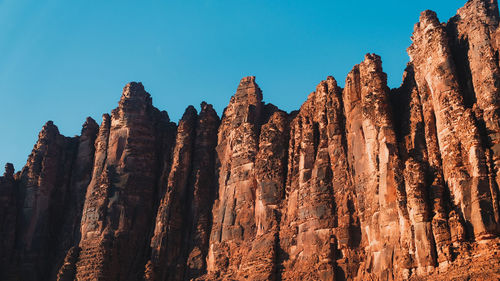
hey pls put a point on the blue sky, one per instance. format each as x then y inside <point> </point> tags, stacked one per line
<point>65,60</point>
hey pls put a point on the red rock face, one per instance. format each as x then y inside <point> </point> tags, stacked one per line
<point>234,224</point>
<point>119,206</point>
<point>80,178</point>
<point>464,161</point>
<point>376,170</point>
<point>180,241</point>
<point>361,183</point>
<point>309,207</point>
<point>44,187</point>
<point>201,189</point>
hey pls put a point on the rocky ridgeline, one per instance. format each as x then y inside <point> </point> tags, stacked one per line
<point>361,183</point>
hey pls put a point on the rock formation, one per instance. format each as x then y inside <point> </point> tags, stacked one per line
<point>376,169</point>
<point>44,187</point>
<point>180,241</point>
<point>8,220</point>
<point>361,183</point>
<point>119,206</point>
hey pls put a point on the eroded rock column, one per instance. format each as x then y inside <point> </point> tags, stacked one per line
<point>373,156</point>
<point>463,157</point>
<point>234,210</point>
<point>119,206</point>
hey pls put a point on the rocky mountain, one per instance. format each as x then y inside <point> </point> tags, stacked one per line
<point>361,183</point>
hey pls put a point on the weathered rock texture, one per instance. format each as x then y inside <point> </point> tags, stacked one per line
<point>119,206</point>
<point>182,229</point>
<point>362,183</point>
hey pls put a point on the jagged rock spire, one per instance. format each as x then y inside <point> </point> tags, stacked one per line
<point>362,183</point>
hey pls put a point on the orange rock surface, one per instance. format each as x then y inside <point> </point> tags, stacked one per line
<point>361,183</point>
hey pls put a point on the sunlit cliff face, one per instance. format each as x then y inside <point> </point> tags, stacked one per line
<point>361,183</point>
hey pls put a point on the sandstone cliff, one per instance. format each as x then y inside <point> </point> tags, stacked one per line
<point>361,183</point>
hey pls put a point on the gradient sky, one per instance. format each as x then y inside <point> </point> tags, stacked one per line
<point>65,60</point>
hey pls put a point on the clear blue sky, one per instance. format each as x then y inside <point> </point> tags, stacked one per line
<point>65,60</point>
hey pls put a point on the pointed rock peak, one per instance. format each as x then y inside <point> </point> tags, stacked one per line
<point>208,112</point>
<point>106,117</point>
<point>367,73</point>
<point>206,107</point>
<point>134,91</point>
<point>164,116</point>
<point>89,121</point>
<point>248,87</point>
<point>330,84</point>
<point>49,129</point>
<point>428,18</point>
<point>9,170</point>
<point>248,79</point>
<point>106,120</point>
<point>89,127</point>
<point>49,124</point>
<point>133,88</point>
<point>245,105</point>
<point>373,63</point>
<point>189,113</point>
